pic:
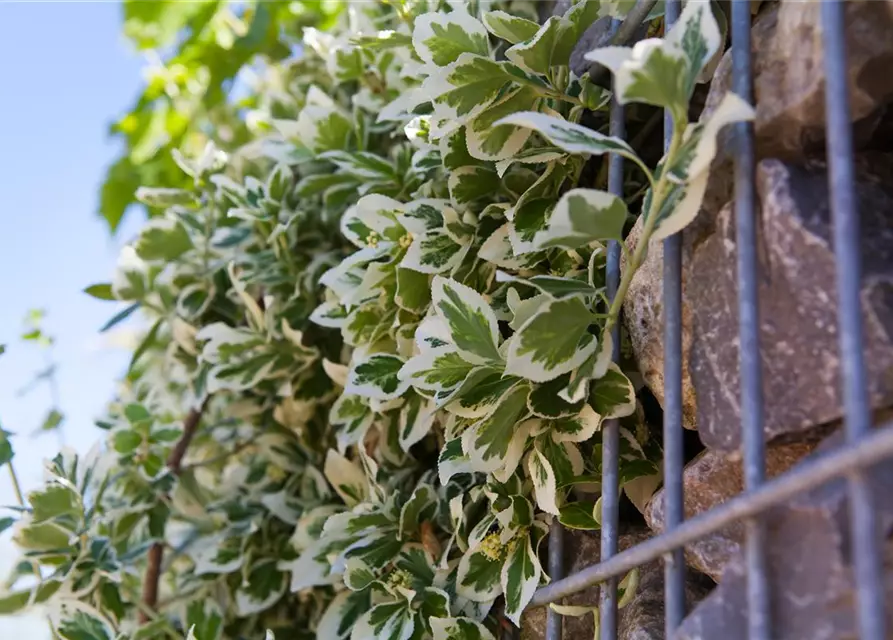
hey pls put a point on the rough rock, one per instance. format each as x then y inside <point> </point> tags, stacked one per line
<point>643,318</point>
<point>789,72</point>
<point>810,569</point>
<point>711,479</point>
<point>800,351</point>
<point>641,619</point>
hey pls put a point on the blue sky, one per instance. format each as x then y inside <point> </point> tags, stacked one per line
<point>66,72</point>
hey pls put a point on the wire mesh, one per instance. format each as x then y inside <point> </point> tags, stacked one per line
<point>864,447</point>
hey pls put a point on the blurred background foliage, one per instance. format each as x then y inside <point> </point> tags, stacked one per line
<point>195,50</point>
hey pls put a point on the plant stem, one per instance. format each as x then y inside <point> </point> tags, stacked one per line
<point>648,228</point>
<point>156,551</point>
<point>15,484</point>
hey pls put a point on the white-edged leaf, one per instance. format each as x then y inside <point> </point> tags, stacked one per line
<point>346,477</point>
<point>573,138</point>
<point>512,28</point>
<point>470,319</point>
<point>479,576</point>
<point>581,216</point>
<point>440,38</point>
<point>544,484</point>
<point>520,577</point>
<point>613,395</point>
<point>487,141</point>
<point>375,376</point>
<point>436,369</point>
<point>458,628</point>
<point>553,341</point>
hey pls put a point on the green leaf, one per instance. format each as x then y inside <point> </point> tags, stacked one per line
<point>520,577</point>
<point>100,291</point>
<point>126,442</point>
<point>613,395</point>
<point>514,29</point>
<point>342,614</point>
<point>52,421</point>
<point>479,576</point>
<point>552,342</point>
<point>459,629</point>
<point>467,87</point>
<point>691,169</point>
<point>468,184</point>
<point>663,72</point>
<point>480,392</point>
<point>579,515</point>
<point>545,402</point>
<point>163,239</point>
<point>376,377</point>
<point>545,486</point>
<point>440,38</point>
<point>162,197</point>
<point>15,601</point>
<point>346,478</point>
<point>436,369</point>
<point>470,319</point>
<point>583,216</point>
<point>487,141</point>
<point>119,317</point>
<point>6,453</point>
<point>576,428</point>
<point>487,441</point>
<point>573,138</point>
<point>416,420</point>
<point>535,55</point>
<point>413,290</point>
<point>387,621</point>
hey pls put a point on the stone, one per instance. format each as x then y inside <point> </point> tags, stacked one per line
<point>643,318</point>
<point>798,303</point>
<point>708,481</point>
<point>789,90</point>
<point>809,568</point>
<point>789,72</point>
<point>641,619</point>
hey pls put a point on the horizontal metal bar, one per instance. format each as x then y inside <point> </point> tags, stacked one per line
<point>865,539</point>
<point>870,450</point>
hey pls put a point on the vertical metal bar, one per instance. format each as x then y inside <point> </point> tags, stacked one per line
<point>556,572</point>
<point>758,620</point>
<point>611,429</point>
<point>674,562</point>
<point>865,531</point>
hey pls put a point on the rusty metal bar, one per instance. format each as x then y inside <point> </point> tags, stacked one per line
<point>758,618</point>
<point>674,562</point>
<point>845,212</point>
<point>870,450</point>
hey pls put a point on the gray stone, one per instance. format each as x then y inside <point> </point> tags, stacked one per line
<point>641,619</point>
<point>800,351</point>
<point>711,479</point>
<point>809,565</point>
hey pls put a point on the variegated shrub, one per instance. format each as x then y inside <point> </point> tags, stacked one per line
<point>387,320</point>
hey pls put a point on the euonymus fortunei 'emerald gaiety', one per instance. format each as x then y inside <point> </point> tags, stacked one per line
<point>387,319</point>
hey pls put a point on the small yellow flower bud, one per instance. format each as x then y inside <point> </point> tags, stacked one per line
<point>405,240</point>
<point>491,547</point>
<point>372,239</point>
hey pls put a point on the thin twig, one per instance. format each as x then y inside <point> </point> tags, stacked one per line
<point>156,551</point>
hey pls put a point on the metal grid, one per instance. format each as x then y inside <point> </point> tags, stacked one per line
<point>863,448</point>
